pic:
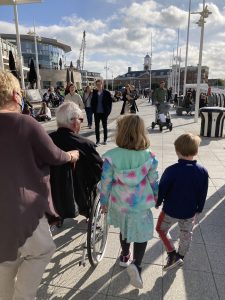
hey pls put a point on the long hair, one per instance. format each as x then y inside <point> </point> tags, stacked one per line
<point>131,133</point>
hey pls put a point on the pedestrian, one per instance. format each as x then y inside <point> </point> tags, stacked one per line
<point>101,104</point>
<point>74,97</point>
<point>49,96</point>
<point>126,100</point>
<point>129,188</point>
<point>26,151</point>
<point>87,104</point>
<point>182,190</point>
<point>160,94</point>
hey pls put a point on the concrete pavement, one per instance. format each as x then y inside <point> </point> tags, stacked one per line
<point>203,274</point>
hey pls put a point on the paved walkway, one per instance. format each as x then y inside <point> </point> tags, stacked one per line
<point>203,274</point>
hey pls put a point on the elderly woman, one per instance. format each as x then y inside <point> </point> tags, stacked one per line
<point>26,151</point>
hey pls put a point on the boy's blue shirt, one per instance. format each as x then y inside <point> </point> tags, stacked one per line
<point>183,189</point>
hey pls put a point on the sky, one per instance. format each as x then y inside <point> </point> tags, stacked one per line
<point>119,31</point>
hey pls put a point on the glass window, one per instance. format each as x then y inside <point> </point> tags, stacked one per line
<point>46,84</point>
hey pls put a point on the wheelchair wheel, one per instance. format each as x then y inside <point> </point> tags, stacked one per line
<point>97,234</point>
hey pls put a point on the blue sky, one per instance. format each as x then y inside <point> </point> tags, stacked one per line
<point>118,31</point>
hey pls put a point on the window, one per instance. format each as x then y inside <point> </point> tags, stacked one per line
<point>46,84</point>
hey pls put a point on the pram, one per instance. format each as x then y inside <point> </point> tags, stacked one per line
<point>162,116</point>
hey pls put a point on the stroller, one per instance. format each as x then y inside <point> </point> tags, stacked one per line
<point>162,116</point>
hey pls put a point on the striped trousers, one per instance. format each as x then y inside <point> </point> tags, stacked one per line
<point>163,226</point>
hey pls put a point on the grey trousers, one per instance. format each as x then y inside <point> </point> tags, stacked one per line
<point>20,279</point>
<point>163,226</point>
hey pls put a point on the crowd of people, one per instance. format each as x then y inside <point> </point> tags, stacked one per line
<point>45,179</point>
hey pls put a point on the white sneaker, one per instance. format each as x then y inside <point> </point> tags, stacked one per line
<point>125,261</point>
<point>135,276</point>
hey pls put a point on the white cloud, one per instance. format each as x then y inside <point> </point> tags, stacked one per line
<point>124,38</point>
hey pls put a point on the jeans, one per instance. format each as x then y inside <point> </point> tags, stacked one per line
<point>89,114</point>
<point>139,250</point>
<point>101,117</point>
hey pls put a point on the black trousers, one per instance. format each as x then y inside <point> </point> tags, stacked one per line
<point>139,250</point>
<point>101,117</point>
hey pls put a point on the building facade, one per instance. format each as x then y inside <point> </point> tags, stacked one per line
<point>141,79</point>
<point>51,57</point>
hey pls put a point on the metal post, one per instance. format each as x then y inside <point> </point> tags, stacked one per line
<point>187,44</point>
<point>150,72</point>
<point>178,37</point>
<point>19,45</point>
<point>1,56</point>
<point>112,81</point>
<point>179,73</point>
<point>202,20</point>
<point>37,61</point>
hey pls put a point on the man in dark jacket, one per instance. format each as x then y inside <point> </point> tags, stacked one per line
<point>72,187</point>
<point>101,104</point>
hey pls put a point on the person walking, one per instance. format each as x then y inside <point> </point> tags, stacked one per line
<point>128,191</point>
<point>26,151</point>
<point>182,190</point>
<point>87,104</point>
<point>160,94</point>
<point>74,97</point>
<point>101,104</point>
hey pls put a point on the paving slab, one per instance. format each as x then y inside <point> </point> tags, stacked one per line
<point>203,275</point>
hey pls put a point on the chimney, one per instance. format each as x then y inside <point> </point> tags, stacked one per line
<point>129,69</point>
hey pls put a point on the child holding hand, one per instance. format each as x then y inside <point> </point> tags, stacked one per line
<point>129,188</point>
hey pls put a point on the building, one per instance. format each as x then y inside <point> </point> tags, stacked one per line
<point>51,56</point>
<point>141,79</point>
<point>6,46</point>
<point>89,78</point>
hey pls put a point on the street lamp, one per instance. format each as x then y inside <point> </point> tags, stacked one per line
<point>187,43</point>
<point>150,73</point>
<point>203,15</point>
<point>36,56</point>
<point>14,3</point>
<point>106,74</point>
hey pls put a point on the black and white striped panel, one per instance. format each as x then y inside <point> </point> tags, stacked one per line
<point>212,123</point>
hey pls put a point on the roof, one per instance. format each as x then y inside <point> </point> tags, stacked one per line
<point>44,40</point>
<point>12,2</point>
<point>136,74</point>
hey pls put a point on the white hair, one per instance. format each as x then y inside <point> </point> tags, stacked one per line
<point>67,113</point>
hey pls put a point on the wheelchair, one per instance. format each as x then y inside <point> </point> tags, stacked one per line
<point>97,233</point>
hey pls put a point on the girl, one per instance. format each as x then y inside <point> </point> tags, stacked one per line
<point>129,187</point>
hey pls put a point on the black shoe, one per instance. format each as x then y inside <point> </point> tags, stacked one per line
<point>97,143</point>
<point>104,143</point>
<point>173,260</point>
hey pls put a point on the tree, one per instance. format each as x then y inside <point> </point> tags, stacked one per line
<point>72,79</point>
<point>71,65</point>
<point>60,63</point>
<point>67,76</point>
<point>32,76</point>
<point>12,65</point>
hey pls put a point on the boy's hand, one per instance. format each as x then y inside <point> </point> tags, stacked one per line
<point>104,209</point>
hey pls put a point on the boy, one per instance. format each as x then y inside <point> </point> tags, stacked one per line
<point>183,190</point>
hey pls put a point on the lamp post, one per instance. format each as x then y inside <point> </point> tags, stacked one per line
<point>203,15</point>
<point>150,73</point>
<point>36,57</point>
<point>106,74</point>
<point>176,71</point>
<point>14,3</point>
<point>187,44</point>
<point>1,56</point>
